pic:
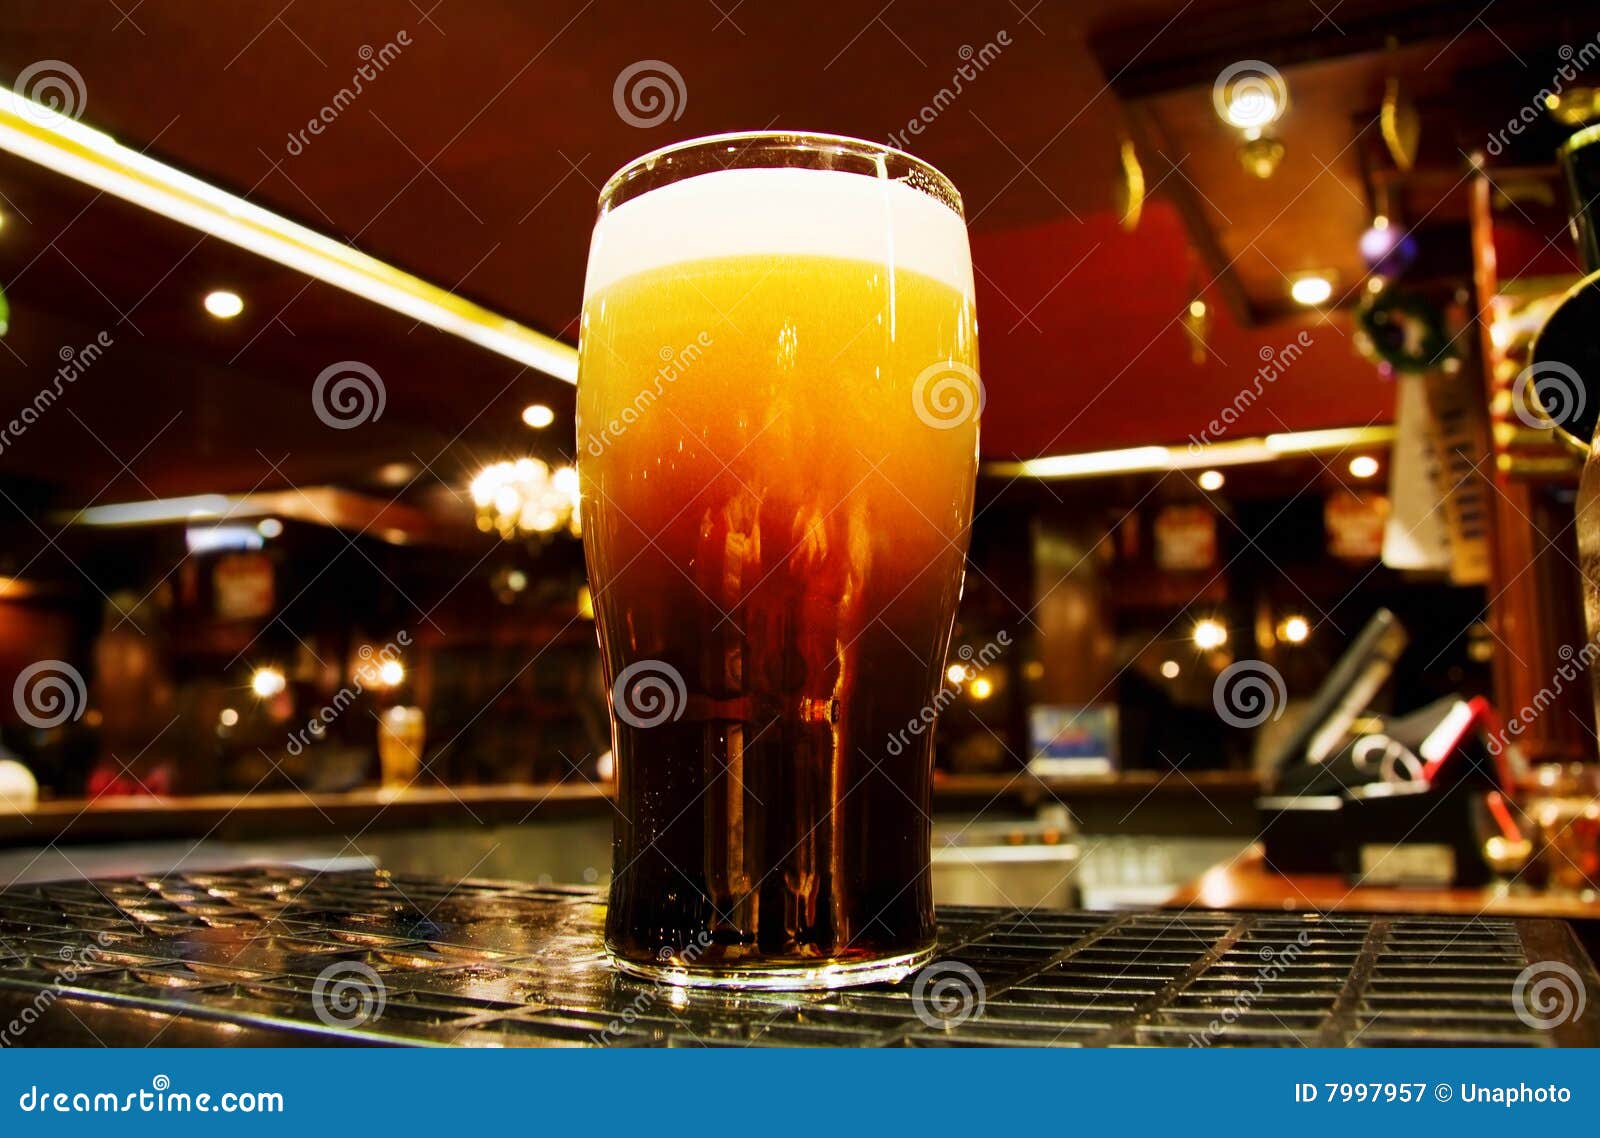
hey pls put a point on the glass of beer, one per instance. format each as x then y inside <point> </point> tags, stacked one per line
<point>401,732</point>
<point>778,404</point>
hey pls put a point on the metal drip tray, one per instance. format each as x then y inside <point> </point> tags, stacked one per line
<point>268,956</point>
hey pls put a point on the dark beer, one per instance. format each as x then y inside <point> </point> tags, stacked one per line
<point>778,430</point>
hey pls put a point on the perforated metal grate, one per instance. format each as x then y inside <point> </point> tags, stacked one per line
<point>236,957</point>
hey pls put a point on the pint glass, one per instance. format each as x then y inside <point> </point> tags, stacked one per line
<point>778,406</point>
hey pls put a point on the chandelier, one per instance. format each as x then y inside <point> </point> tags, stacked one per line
<point>526,497</point>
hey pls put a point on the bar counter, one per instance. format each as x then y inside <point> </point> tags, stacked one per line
<point>284,956</point>
<point>274,813</point>
<point>1247,882</point>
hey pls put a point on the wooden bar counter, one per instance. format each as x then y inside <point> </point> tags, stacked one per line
<point>1248,883</point>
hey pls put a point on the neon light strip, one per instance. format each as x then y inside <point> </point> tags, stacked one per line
<point>62,144</point>
<point>1137,460</point>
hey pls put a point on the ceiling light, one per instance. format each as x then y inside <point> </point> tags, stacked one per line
<point>1294,630</point>
<point>1250,94</point>
<point>1363,466</point>
<point>390,673</point>
<point>224,305</point>
<point>1334,438</point>
<point>1311,289</point>
<point>1211,480</point>
<point>12,588</point>
<point>1170,669</point>
<point>538,416</point>
<point>980,688</point>
<point>229,717</point>
<point>1200,456</point>
<point>1253,110</point>
<point>327,506</point>
<point>526,496</point>
<point>212,539</point>
<point>396,473</point>
<point>956,673</point>
<point>1210,634</point>
<point>57,142</point>
<point>1100,462</point>
<point>268,682</point>
<point>155,510</point>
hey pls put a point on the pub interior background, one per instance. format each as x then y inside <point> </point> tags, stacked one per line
<point>1250,344</point>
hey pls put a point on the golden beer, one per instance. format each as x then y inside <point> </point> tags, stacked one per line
<point>777,426</point>
<point>401,734</point>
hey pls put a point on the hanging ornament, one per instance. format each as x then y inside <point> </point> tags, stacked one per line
<point>1197,327</point>
<point>1402,331</point>
<point>1387,248</point>
<point>1260,153</point>
<point>1401,125</point>
<point>1130,187</point>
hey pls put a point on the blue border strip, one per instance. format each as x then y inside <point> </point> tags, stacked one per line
<point>976,1093</point>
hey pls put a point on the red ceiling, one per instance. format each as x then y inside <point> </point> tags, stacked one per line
<point>1102,360</point>
<point>474,157</point>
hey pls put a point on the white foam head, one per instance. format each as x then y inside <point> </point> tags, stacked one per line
<point>823,213</point>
